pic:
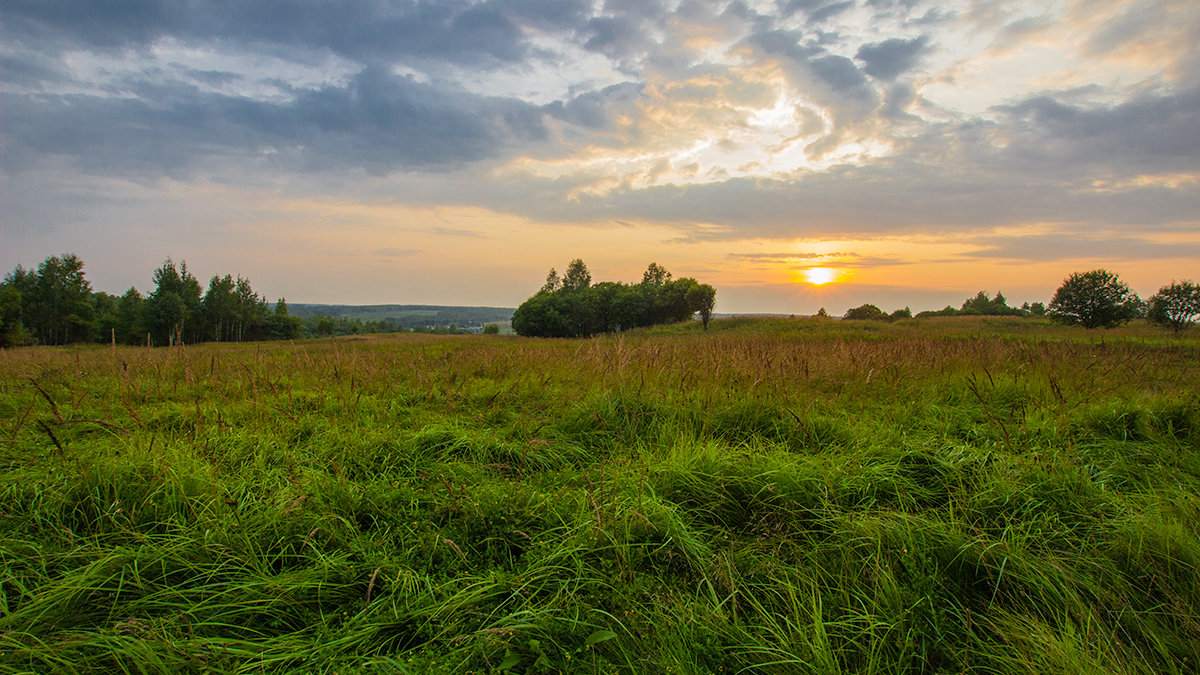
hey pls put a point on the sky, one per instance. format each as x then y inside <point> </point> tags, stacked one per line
<point>795,154</point>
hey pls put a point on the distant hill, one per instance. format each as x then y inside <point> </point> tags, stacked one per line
<point>408,315</point>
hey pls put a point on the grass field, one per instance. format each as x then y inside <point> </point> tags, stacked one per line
<point>776,496</point>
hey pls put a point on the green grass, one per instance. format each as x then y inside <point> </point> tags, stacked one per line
<point>769,496</point>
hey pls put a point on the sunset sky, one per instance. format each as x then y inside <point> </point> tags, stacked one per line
<point>912,153</point>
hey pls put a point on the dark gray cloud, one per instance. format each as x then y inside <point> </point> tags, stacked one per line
<point>891,58</point>
<point>829,11</point>
<point>1153,132</point>
<point>1107,246</point>
<point>814,11</point>
<point>483,34</point>
<point>594,110</point>
<point>808,61</point>
<point>29,71</point>
<point>618,37</point>
<point>840,73</point>
<point>379,122</point>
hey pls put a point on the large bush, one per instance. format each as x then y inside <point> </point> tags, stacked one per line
<point>1176,305</point>
<point>571,307</point>
<point>1095,299</point>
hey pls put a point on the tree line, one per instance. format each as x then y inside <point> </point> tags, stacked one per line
<point>54,304</point>
<point>980,305</point>
<point>1093,299</point>
<point>572,306</point>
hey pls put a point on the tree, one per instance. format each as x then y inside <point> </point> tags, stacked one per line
<point>1095,299</point>
<point>281,325</point>
<point>702,298</point>
<point>655,275</point>
<point>553,282</point>
<point>1176,305</point>
<point>491,329</point>
<point>56,303</point>
<point>218,305</point>
<point>104,325</point>
<point>577,277</point>
<point>982,305</point>
<point>866,312</point>
<point>12,331</point>
<point>671,301</point>
<point>131,325</point>
<point>173,311</point>
<point>250,311</point>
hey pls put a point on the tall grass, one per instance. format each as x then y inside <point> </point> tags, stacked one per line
<point>771,496</point>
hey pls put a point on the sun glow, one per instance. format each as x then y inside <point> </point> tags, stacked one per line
<point>819,276</point>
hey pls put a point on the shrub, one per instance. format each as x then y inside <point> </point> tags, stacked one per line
<point>1095,299</point>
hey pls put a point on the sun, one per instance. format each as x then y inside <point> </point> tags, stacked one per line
<point>819,276</point>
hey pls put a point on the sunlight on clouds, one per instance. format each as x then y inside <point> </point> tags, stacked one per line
<point>1142,38</point>
<point>708,129</point>
<point>1107,48</point>
<point>1165,180</point>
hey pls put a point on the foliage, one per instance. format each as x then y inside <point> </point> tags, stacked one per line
<point>55,301</point>
<point>1176,305</point>
<point>982,305</point>
<point>283,326</point>
<point>776,496</point>
<point>1095,299</point>
<point>1035,309</point>
<point>573,307</point>
<point>703,298</point>
<point>577,277</point>
<point>866,313</point>
<point>173,307</point>
<point>54,304</point>
<point>12,329</point>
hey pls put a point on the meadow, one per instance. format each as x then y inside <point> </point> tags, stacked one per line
<point>768,496</point>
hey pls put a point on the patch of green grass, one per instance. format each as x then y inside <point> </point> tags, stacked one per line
<point>770,495</point>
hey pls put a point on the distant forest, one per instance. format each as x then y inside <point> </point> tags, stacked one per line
<point>409,315</point>
<point>54,304</point>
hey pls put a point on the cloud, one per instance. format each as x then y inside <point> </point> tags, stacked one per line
<point>829,11</point>
<point>782,257</point>
<point>378,122</point>
<point>710,120</point>
<point>1151,131</point>
<point>1101,246</point>
<point>891,58</point>
<point>617,37</point>
<point>487,34</point>
<point>805,260</point>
